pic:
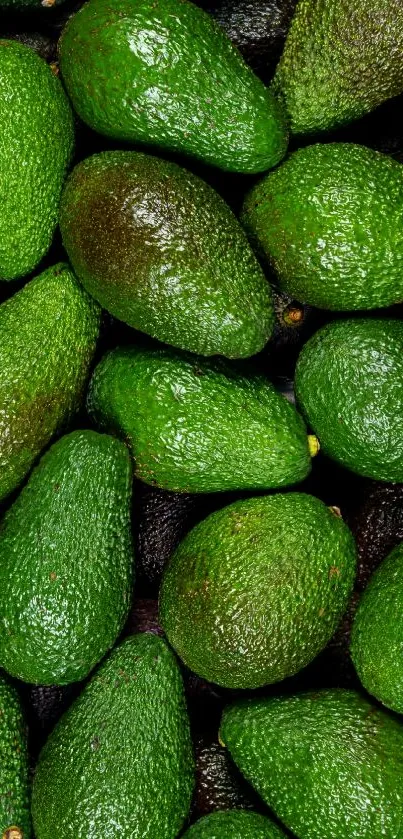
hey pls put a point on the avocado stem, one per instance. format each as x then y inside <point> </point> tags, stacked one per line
<point>13,832</point>
<point>293,315</point>
<point>313,445</point>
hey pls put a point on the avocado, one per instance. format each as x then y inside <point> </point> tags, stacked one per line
<point>377,634</point>
<point>45,705</point>
<point>340,61</point>
<point>328,221</point>
<point>37,138</point>
<point>258,28</point>
<point>377,526</point>
<point>349,384</point>
<point>195,425</point>
<point>328,763</point>
<point>48,334</point>
<point>234,824</point>
<point>160,250</point>
<point>15,819</point>
<point>41,42</point>
<point>119,762</point>
<point>219,784</point>
<point>256,590</point>
<point>162,72</point>
<point>66,561</point>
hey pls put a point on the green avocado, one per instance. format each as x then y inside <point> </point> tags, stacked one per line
<point>48,335</point>
<point>15,818</point>
<point>119,762</point>
<point>195,425</point>
<point>255,591</point>
<point>162,72</point>
<point>37,139</point>
<point>162,251</point>
<point>328,763</point>
<point>234,824</point>
<point>328,221</point>
<point>341,59</point>
<point>349,384</point>
<point>66,561</point>
<point>377,635</point>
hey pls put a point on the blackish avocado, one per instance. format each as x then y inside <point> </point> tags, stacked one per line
<point>219,784</point>
<point>258,28</point>
<point>377,524</point>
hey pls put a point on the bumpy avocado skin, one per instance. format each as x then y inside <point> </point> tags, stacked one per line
<point>182,86</point>
<point>66,561</point>
<point>160,250</point>
<point>48,335</point>
<point>120,760</point>
<point>234,824</point>
<point>329,222</point>
<point>256,590</point>
<point>349,384</point>
<point>328,763</point>
<point>195,425</point>
<point>14,768</point>
<point>36,148</point>
<point>340,61</point>
<point>377,635</point>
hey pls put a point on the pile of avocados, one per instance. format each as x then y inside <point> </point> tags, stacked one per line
<point>201,419</point>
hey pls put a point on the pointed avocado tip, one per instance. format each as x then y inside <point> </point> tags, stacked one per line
<point>313,445</point>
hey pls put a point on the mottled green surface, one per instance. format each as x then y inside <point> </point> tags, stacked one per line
<point>377,635</point>
<point>198,426</point>
<point>329,763</point>
<point>119,763</point>
<point>330,222</point>
<point>14,774</point>
<point>66,561</point>
<point>160,249</point>
<point>256,590</point>
<point>234,824</point>
<point>162,72</point>
<point>48,333</point>
<point>341,59</point>
<point>349,384</point>
<point>37,141</point>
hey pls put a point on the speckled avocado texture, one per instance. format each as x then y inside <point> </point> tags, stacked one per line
<point>349,384</point>
<point>329,763</point>
<point>14,768</point>
<point>119,762</point>
<point>66,561</point>
<point>180,84</point>
<point>195,425</point>
<point>48,334</point>
<point>256,590</point>
<point>161,250</point>
<point>340,60</point>
<point>37,141</point>
<point>234,824</point>
<point>377,636</point>
<point>329,222</point>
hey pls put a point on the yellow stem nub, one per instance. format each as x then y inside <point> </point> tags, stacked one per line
<point>336,511</point>
<point>12,832</point>
<point>313,445</point>
<point>221,742</point>
<point>293,315</point>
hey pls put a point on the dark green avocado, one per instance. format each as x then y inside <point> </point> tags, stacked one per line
<point>181,86</point>
<point>15,818</point>
<point>234,824</point>
<point>160,249</point>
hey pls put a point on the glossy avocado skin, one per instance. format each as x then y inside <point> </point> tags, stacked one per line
<point>48,335</point>
<point>160,250</point>
<point>83,788</point>
<point>340,61</point>
<point>234,824</point>
<point>377,634</point>
<point>328,221</point>
<point>258,28</point>
<point>230,599</point>
<point>219,785</point>
<point>14,768</point>
<point>377,526</point>
<point>334,743</point>
<point>37,138</point>
<point>182,86</point>
<point>349,385</point>
<point>195,425</point>
<point>66,561</point>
